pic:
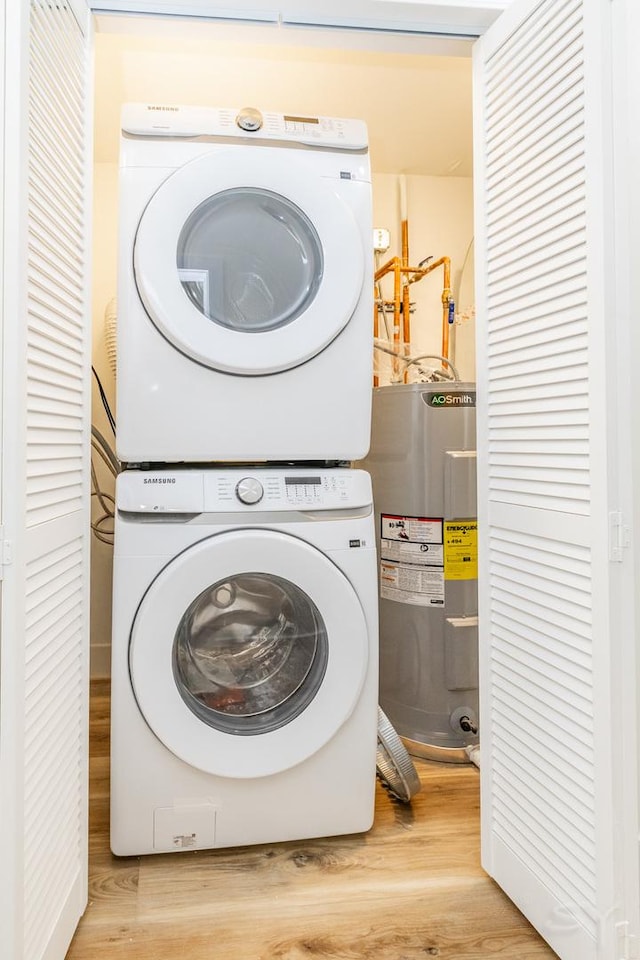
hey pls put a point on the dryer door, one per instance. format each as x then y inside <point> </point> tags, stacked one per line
<point>248,652</point>
<point>248,265</point>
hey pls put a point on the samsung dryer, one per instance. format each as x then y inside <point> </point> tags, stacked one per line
<point>245,287</point>
<point>244,661</point>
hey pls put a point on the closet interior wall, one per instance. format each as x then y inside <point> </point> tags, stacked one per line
<point>429,142</point>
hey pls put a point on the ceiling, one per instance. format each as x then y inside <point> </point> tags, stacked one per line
<point>417,104</point>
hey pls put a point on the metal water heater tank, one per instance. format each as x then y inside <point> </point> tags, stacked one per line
<point>423,467</point>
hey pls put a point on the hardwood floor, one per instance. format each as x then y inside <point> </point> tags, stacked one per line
<point>410,889</point>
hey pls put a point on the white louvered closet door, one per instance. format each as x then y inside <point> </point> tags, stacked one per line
<point>44,645</point>
<point>552,612</point>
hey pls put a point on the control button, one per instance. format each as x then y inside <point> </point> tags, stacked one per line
<point>249,490</point>
<point>249,119</point>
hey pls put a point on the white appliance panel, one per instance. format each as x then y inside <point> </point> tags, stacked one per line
<point>281,744</point>
<point>225,356</point>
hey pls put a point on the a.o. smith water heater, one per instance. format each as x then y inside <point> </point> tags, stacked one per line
<point>423,467</point>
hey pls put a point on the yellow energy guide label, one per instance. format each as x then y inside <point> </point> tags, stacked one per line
<point>460,549</point>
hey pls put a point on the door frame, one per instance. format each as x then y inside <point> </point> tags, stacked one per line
<point>448,21</point>
<point>466,19</point>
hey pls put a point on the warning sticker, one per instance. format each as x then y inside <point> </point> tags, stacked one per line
<point>411,552</point>
<point>411,529</point>
<point>461,550</point>
<point>412,559</point>
<point>412,584</point>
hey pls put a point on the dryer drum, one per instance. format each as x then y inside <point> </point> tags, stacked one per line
<point>249,259</point>
<point>250,653</point>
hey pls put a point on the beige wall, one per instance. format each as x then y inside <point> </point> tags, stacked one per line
<point>440,223</point>
<point>105,252</point>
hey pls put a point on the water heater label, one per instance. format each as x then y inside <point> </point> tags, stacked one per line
<point>407,583</point>
<point>412,559</point>
<point>461,550</point>
<point>422,553</point>
<point>411,529</point>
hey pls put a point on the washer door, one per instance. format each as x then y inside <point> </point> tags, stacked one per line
<point>248,265</point>
<point>247,653</point>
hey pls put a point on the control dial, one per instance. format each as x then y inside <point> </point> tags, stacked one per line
<point>249,490</point>
<point>249,119</point>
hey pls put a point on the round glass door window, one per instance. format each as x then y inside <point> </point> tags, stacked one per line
<point>249,260</point>
<point>250,653</point>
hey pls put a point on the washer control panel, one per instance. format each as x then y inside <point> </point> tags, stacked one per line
<point>249,119</point>
<point>249,490</point>
<point>297,490</point>
<point>157,120</point>
<point>245,490</point>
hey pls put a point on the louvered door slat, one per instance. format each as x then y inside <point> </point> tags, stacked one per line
<point>572,780</point>
<point>49,72</point>
<point>542,139</point>
<point>542,164</point>
<point>42,218</point>
<point>46,198</point>
<point>531,125</point>
<point>57,268</point>
<point>45,147</point>
<point>526,236</point>
<point>47,646</point>
<point>537,319</point>
<point>553,81</point>
<point>542,23</point>
<point>47,350</point>
<point>45,596</point>
<point>542,451</point>
<point>41,385</point>
<point>56,160</point>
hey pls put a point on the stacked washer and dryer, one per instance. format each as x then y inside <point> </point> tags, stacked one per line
<point>244,670</point>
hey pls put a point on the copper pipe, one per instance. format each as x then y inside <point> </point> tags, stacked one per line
<point>446,298</point>
<point>406,325</point>
<point>420,272</point>
<point>400,268</point>
<point>376,333</point>
<point>385,269</point>
<point>406,320</point>
<point>397,280</point>
<point>404,226</point>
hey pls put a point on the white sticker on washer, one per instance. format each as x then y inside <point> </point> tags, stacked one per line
<point>409,583</point>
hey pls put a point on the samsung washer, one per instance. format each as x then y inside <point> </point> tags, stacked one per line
<point>245,286</point>
<point>244,659</point>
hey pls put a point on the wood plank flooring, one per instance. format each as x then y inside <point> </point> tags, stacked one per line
<point>410,889</point>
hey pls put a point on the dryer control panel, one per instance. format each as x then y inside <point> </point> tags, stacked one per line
<point>157,120</point>
<point>242,490</point>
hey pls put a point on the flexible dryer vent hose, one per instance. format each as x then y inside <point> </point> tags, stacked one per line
<point>110,325</point>
<point>394,766</point>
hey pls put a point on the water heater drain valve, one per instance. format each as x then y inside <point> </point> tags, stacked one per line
<point>464,719</point>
